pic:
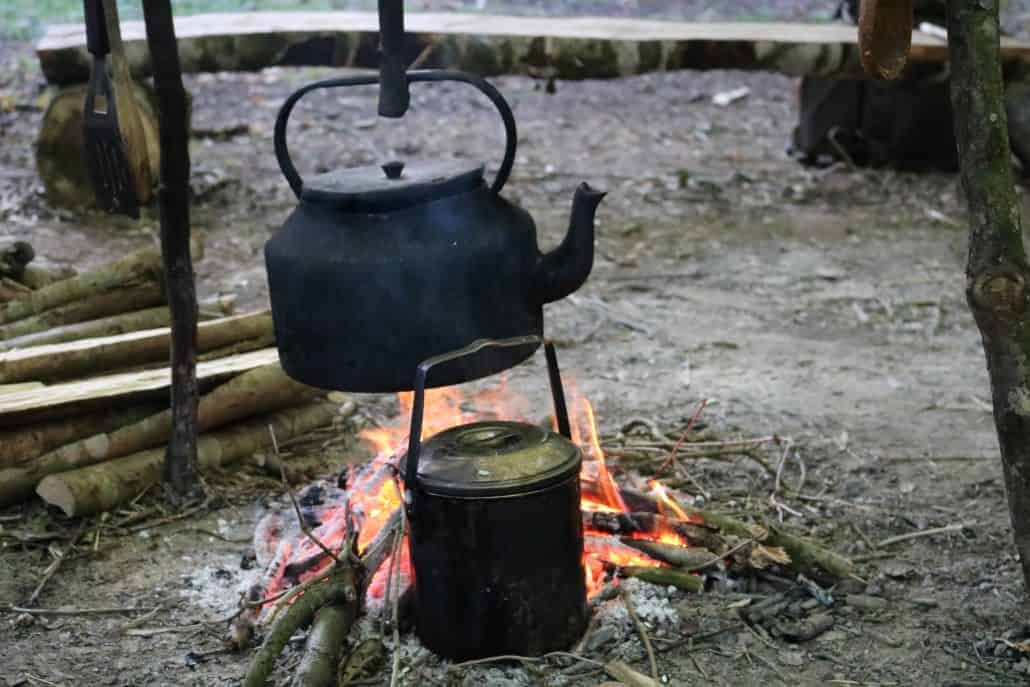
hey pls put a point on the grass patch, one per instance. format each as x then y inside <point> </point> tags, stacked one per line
<point>28,19</point>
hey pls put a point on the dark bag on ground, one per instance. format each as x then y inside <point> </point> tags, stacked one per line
<point>905,123</point>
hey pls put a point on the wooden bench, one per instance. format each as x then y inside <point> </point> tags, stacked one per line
<point>564,48</point>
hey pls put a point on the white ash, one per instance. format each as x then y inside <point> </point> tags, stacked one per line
<point>216,581</point>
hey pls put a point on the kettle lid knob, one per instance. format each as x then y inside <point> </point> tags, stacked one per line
<point>393,169</point>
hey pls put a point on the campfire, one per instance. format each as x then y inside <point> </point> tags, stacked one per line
<point>647,534</point>
<point>371,494</point>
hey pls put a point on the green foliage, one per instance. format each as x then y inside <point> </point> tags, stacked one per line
<point>28,19</point>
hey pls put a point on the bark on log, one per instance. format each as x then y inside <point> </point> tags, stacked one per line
<point>143,266</point>
<point>997,271</point>
<point>255,392</point>
<point>180,467</point>
<point>104,304</point>
<point>150,318</point>
<point>490,45</point>
<point>36,277</point>
<point>94,356</point>
<point>11,289</point>
<point>339,588</point>
<point>105,485</point>
<point>59,160</point>
<point>69,398</point>
<point>324,646</point>
<point>19,446</point>
<point>664,577</point>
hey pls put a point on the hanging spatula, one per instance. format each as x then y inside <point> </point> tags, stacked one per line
<point>108,166</point>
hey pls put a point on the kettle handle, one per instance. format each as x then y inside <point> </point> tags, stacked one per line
<point>282,154</point>
<point>561,412</point>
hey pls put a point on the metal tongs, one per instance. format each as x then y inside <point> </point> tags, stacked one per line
<point>108,164</point>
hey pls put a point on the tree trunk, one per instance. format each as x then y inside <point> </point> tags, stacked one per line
<point>997,272</point>
<point>180,467</point>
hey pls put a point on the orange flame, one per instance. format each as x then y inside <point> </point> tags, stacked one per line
<point>373,489</point>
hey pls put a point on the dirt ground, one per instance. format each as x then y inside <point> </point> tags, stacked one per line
<point>822,305</point>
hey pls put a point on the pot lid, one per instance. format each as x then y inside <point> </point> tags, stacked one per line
<point>393,185</point>
<point>495,458</point>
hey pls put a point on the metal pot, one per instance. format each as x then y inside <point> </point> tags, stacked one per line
<point>496,534</point>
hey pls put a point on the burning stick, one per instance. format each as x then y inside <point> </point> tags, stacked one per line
<point>343,584</point>
<point>693,557</point>
<point>651,523</point>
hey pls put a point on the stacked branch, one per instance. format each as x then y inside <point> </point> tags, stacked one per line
<point>122,295</point>
<point>720,543</point>
<point>103,486</point>
<point>256,392</point>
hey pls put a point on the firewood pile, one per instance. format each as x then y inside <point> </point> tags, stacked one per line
<point>84,378</point>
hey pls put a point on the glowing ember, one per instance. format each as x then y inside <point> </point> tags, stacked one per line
<point>373,490</point>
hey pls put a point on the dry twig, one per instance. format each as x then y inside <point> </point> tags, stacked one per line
<point>642,631</point>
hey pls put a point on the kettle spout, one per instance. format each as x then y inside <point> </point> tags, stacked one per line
<point>564,269</point>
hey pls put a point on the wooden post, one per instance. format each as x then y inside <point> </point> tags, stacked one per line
<point>997,273</point>
<point>180,466</point>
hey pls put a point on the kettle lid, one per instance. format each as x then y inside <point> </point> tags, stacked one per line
<point>495,458</point>
<point>394,185</point>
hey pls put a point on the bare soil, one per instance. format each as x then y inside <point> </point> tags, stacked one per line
<point>822,305</point>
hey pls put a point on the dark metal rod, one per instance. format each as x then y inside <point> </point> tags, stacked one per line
<point>561,410</point>
<point>393,94</point>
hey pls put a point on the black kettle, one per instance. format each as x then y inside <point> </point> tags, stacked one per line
<point>378,269</point>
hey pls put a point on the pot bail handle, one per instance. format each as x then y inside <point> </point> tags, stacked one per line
<point>561,412</point>
<point>282,153</point>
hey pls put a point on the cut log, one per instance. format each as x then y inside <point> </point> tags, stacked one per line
<point>11,289</point>
<point>36,277</point>
<point>103,486</point>
<point>150,318</point>
<point>143,266</point>
<point>255,392</point>
<point>103,304</point>
<point>566,48</point>
<point>19,446</point>
<point>141,320</point>
<point>72,397</point>
<point>94,356</point>
<point>59,160</point>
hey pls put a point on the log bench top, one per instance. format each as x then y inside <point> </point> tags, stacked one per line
<point>568,47</point>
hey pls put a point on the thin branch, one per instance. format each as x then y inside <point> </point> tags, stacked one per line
<point>675,449</point>
<point>300,518</point>
<point>923,533</point>
<point>642,631</point>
